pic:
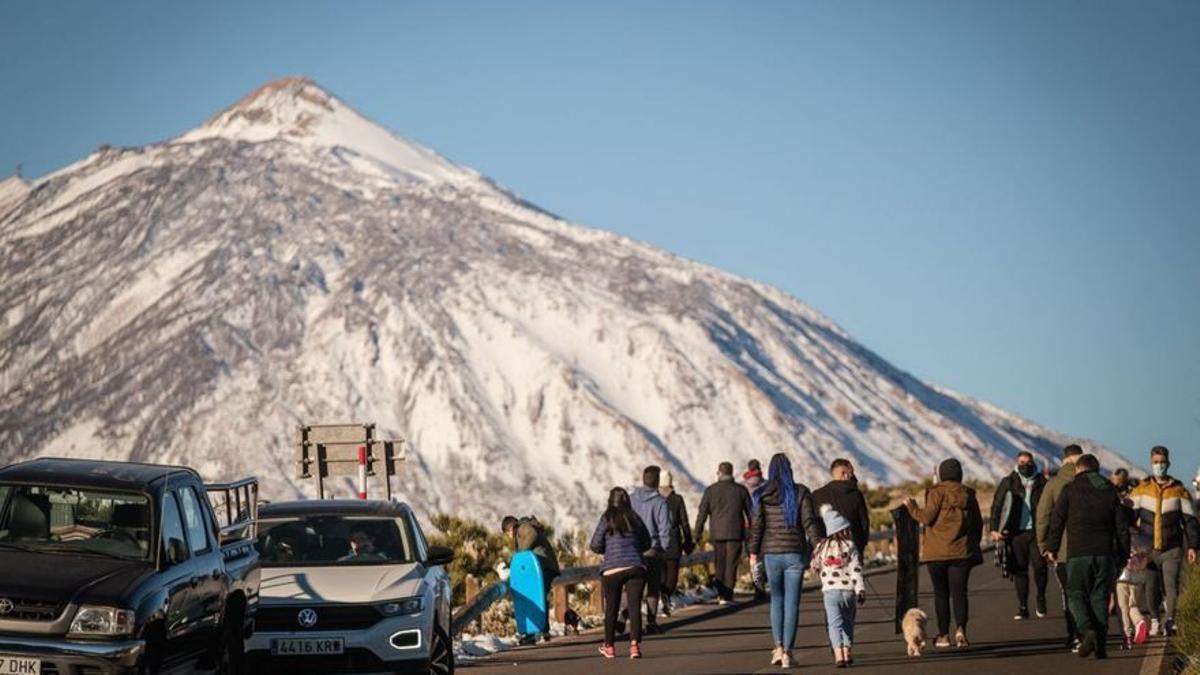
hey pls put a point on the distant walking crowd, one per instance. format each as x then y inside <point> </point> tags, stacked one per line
<point>1114,545</point>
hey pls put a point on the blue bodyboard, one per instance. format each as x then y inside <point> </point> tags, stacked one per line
<point>528,588</point>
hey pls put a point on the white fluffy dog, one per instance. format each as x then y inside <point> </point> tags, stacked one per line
<point>913,626</point>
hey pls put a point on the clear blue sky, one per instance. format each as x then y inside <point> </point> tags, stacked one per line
<point>1003,198</point>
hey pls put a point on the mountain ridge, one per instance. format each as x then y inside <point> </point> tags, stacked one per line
<point>194,300</point>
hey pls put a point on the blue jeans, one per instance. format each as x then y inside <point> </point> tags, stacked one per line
<point>785,576</point>
<point>840,608</point>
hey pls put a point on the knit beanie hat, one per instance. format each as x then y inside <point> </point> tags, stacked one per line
<point>834,522</point>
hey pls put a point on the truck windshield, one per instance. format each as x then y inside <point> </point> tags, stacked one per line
<point>334,540</point>
<point>59,520</point>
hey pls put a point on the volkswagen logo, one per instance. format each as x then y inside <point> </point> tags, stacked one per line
<point>307,618</point>
<point>6,606</point>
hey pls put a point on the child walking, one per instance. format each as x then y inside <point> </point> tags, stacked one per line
<point>1130,586</point>
<point>839,565</point>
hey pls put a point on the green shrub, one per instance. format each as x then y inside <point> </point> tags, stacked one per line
<point>477,549</point>
<point>1187,619</point>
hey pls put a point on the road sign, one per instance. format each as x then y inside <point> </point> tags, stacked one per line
<point>346,450</point>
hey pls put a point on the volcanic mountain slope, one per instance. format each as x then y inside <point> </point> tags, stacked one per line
<point>291,261</point>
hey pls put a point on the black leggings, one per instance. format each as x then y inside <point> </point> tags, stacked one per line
<point>950,579</point>
<point>633,580</point>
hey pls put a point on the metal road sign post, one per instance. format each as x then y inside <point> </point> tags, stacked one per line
<point>347,450</point>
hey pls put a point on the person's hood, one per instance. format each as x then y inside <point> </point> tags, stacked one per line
<point>1094,479</point>
<point>80,579</point>
<point>950,470</point>
<point>769,493</point>
<point>341,583</point>
<point>954,493</point>
<point>644,495</point>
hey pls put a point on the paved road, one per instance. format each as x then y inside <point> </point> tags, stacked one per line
<point>707,640</point>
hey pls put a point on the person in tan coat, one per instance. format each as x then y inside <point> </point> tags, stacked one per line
<point>1041,524</point>
<point>953,529</point>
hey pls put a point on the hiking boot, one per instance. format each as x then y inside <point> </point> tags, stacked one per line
<point>608,651</point>
<point>1140,632</point>
<point>635,650</point>
<point>960,639</point>
<point>942,641</point>
<point>1022,614</point>
<point>1087,645</point>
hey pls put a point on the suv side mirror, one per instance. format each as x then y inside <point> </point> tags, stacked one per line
<point>176,551</point>
<point>439,555</point>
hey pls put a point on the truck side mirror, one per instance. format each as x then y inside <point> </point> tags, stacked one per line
<point>176,551</point>
<point>439,555</point>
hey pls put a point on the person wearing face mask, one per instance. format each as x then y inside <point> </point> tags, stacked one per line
<point>1166,518</point>
<point>1014,510</point>
<point>729,505</point>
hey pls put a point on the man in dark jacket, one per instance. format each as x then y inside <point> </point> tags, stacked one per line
<point>681,540</point>
<point>1014,523</point>
<point>843,495</point>
<point>729,505</point>
<point>1088,511</point>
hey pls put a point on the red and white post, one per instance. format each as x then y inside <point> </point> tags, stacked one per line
<point>362,472</point>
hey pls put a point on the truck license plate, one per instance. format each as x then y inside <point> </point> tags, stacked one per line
<point>302,647</point>
<point>19,665</point>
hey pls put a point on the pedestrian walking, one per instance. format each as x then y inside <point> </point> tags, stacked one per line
<point>839,565</point>
<point>752,477</point>
<point>1166,517</point>
<point>1013,517</point>
<point>1131,586</point>
<point>842,494</point>
<point>621,537</point>
<point>1041,524</point>
<point>652,508</point>
<point>1088,511</point>
<point>953,528</point>
<point>528,534</point>
<point>783,531</point>
<point>681,540</point>
<point>728,504</point>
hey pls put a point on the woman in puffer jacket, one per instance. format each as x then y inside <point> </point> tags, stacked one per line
<point>783,529</point>
<point>622,538</point>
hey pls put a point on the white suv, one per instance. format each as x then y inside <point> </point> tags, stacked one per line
<point>350,586</point>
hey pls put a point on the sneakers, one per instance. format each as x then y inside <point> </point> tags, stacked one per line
<point>960,639</point>
<point>1041,608</point>
<point>1087,645</point>
<point>1154,628</point>
<point>1140,632</point>
<point>1022,614</point>
<point>608,651</point>
<point>776,656</point>
<point>1169,626</point>
<point>635,650</point>
<point>942,641</point>
<point>651,628</point>
<point>1127,643</point>
<point>785,660</point>
<point>1075,645</point>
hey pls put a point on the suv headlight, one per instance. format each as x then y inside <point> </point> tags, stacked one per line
<point>402,607</point>
<point>103,621</point>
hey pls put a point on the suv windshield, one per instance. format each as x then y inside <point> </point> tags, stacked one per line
<point>334,540</point>
<point>75,521</point>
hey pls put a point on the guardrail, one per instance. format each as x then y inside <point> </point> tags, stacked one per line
<point>479,600</point>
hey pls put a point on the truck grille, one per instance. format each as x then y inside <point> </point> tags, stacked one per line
<point>23,609</point>
<point>329,617</point>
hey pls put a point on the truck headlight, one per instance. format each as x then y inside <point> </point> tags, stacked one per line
<point>402,607</point>
<point>103,621</point>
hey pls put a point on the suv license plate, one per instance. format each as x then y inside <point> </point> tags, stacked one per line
<point>302,647</point>
<point>19,665</point>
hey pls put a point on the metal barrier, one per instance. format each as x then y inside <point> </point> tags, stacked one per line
<point>478,602</point>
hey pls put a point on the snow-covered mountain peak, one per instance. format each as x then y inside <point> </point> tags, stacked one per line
<point>298,110</point>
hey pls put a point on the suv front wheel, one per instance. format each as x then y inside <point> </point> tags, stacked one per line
<point>441,652</point>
